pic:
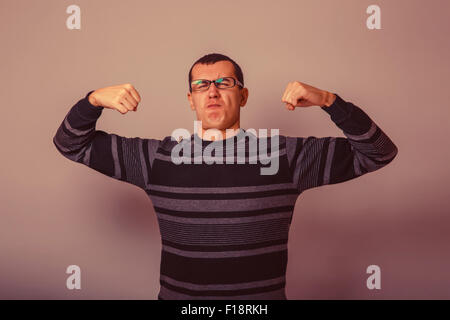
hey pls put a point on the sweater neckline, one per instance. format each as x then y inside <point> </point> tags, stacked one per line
<point>201,142</point>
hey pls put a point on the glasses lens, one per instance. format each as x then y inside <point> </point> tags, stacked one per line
<point>225,83</point>
<point>221,83</point>
<point>199,85</point>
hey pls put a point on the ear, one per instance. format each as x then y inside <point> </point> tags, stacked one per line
<point>189,96</point>
<point>244,96</point>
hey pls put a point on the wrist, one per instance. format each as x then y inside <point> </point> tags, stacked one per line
<point>329,99</point>
<point>92,101</point>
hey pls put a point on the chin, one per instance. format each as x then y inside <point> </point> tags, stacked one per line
<point>215,124</point>
<point>215,127</point>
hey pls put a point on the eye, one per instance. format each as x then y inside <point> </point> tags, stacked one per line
<point>200,83</point>
<point>225,82</point>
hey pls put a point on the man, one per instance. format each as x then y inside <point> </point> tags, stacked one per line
<point>224,226</point>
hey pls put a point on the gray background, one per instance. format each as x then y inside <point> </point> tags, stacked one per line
<point>55,212</point>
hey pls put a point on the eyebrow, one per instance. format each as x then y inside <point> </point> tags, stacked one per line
<point>214,79</point>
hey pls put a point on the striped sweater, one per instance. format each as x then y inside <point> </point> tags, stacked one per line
<point>224,227</point>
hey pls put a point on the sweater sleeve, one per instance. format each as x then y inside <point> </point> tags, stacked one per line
<point>328,160</point>
<point>122,158</point>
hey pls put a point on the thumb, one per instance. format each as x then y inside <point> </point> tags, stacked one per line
<point>289,106</point>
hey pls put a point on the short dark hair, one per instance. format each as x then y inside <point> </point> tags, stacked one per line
<point>213,58</point>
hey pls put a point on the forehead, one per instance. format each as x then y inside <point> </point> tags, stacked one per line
<point>213,71</point>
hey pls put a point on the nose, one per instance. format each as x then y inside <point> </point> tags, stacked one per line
<point>213,91</point>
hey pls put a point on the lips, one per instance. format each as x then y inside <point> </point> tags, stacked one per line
<point>214,105</point>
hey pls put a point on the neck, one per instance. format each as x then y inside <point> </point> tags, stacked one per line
<point>218,134</point>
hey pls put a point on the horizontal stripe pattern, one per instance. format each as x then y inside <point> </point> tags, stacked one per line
<point>223,214</point>
<point>228,247</point>
<point>225,227</point>
<point>223,159</point>
<point>236,233</point>
<point>273,289</point>
<point>231,190</point>
<point>224,254</point>
<point>219,205</point>
<point>228,220</point>
<point>234,286</point>
<point>267,293</point>
<point>224,270</point>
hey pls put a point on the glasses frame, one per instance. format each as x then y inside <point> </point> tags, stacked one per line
<point>235,82</point>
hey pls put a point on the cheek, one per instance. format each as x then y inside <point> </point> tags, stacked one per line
<point>231,102</point>
<point>234,106</point>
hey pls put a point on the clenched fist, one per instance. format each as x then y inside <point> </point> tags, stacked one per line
<point>123,98</point>
<point>298,94</point>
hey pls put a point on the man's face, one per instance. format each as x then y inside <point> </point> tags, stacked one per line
<point>227,114</point>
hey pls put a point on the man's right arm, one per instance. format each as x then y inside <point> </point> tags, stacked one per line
<point>122,158</point>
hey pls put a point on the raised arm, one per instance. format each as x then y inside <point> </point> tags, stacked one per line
<point>320,161</point>
<point>122,158</point>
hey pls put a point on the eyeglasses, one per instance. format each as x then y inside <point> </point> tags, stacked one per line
<point>221,83</point>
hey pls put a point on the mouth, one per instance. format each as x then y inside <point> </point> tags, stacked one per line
<point>212,106</point>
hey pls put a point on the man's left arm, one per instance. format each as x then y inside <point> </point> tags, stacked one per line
<point>329,160</point>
